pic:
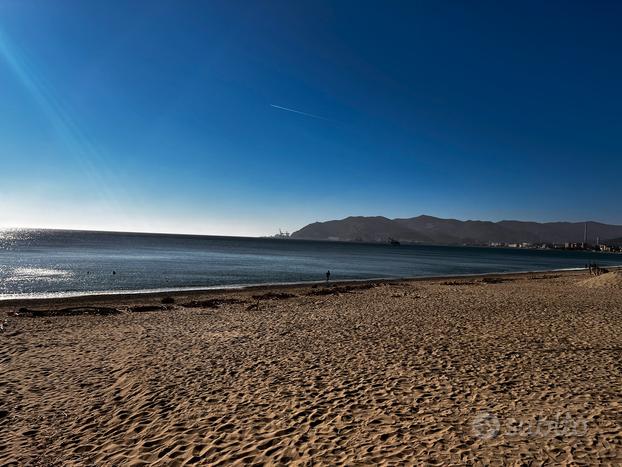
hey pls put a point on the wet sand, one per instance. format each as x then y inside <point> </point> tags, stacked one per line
<point>490,370</point>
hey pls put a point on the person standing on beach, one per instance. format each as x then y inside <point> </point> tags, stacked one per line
<point>327,276</point>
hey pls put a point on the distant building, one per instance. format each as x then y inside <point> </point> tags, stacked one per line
<point>281,234</point>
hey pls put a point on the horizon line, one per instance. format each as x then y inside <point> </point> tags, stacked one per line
<point>112,230</point>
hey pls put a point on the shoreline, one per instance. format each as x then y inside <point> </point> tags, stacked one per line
<point>149,295</point>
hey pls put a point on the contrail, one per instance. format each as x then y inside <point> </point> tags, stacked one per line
<point>299,112</point>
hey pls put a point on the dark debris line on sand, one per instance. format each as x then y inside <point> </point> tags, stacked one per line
<point>74,311</point>
<point>485,280</point>
<point>211,303</point>
<point>274,296</point>
<point>145,308</point>
<point>336,290</point>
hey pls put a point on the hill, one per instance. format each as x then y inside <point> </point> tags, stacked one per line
<point>428,229</point>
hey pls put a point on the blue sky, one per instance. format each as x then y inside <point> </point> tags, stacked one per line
<point>164,116</point>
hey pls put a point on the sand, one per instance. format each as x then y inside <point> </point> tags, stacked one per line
<point>499,371</point>
<point>610,280</point>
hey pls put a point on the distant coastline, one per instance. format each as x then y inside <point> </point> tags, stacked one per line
<point>429,230</point>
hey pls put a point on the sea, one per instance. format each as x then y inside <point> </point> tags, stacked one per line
<point>57,263</point>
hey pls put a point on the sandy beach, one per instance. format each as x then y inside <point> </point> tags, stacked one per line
<point>488,370</point>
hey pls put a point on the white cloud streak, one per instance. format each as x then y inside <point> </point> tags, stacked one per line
<point>299,112</point>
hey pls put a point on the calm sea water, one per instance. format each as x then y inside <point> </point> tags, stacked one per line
<point>44,263</point>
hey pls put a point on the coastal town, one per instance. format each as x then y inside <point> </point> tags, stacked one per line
<point>605,248</point>
<point>610,246</point>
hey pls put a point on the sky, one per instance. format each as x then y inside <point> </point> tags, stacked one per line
<point>242,117</point>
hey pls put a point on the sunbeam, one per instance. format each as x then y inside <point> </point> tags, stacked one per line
<point>86,155</point>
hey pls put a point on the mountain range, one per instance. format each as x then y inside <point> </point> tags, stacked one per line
<point>434,230</point>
